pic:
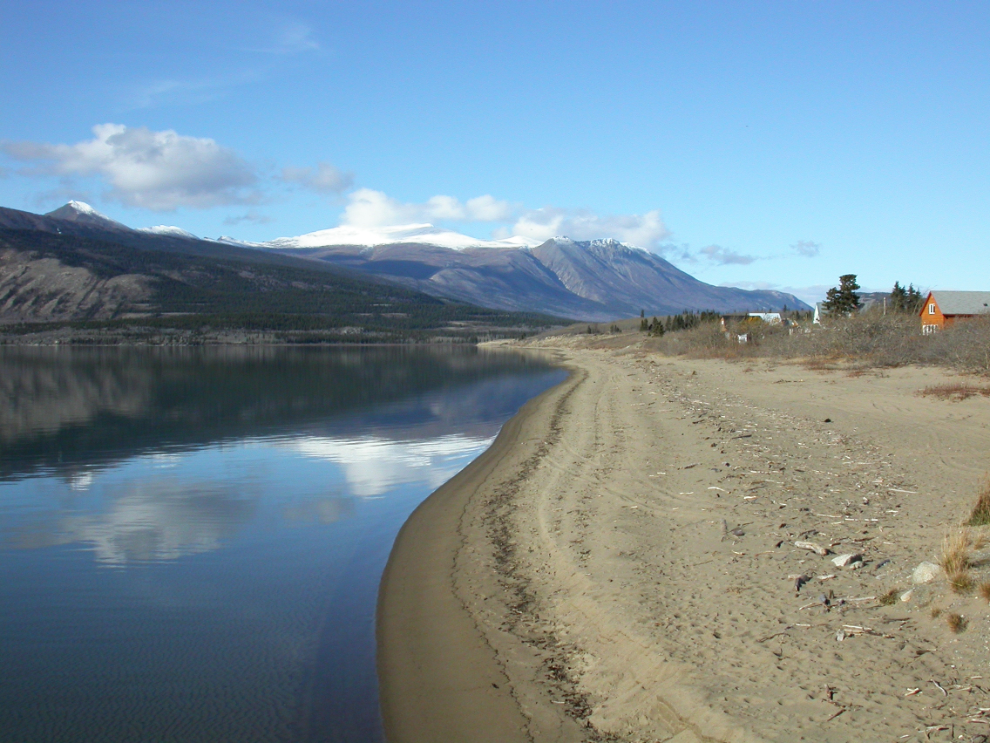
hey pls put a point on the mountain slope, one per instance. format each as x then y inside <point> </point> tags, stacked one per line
<point>47,277</point>
<point>596,281</point>
<point>628,280</point>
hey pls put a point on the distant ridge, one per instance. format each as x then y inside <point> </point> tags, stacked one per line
<point>81,213</point>
<point>596,280</point>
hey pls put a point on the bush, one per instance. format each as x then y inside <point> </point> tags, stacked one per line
<point>868,338</point>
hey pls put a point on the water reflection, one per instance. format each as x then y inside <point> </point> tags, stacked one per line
<point>198,535</point>
<point>62,407</point>
<point>319,510</point>
<point>145,520</point>
<point>373,466</point>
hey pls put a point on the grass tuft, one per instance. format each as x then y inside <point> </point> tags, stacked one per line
<point>981,511</point>
<point>889,598</point>
<point>957,559</point>
<point>957,623</point>
<point>955,392</point>
<point>984,590</point>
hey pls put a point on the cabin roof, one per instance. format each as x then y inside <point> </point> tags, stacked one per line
<point>962,303</point>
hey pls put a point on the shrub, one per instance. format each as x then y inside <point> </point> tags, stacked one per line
<point>981,511</point>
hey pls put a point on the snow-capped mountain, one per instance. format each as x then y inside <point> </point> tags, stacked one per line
<point>82,213</point>
<point>597,280</point>
<point>163,229</point>
<point>420,234</point>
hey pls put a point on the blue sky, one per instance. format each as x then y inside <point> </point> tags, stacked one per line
<point>753,144</point>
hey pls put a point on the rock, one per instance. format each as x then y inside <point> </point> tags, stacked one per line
<point>847,560</point>
<point>816,548</point>
<point>906,596</point>
<point>926,572</point>
<point>737,532</point>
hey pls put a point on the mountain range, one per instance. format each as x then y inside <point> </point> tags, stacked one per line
<point>596,280</point>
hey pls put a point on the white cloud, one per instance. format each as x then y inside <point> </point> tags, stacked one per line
<point>369,208</point>
<point>641,230</point>
<point>160,171</point>
<point>324,178</point>
<point>725,256</point>
<point>489,209</point>
<point>807,248</point>
<point>373,466</point>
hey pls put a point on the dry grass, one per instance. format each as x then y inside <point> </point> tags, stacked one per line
<point>955,392</point>
<point>984,590</point>
<point>863,341</point>
<point>957,623</point>
<point>936,612</point>
<point>889,598</point>
<point>981,511</point>
<point>957,559</point>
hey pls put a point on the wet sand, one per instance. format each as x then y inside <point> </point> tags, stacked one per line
<point>621,565</point>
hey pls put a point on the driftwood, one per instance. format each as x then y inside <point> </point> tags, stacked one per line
<point>816,548</point>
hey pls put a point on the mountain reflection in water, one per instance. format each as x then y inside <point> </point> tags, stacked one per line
<point>191,540</point>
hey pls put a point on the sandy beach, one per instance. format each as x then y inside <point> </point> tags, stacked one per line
<point>621,564</point>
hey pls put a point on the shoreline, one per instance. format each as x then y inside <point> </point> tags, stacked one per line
<point>439,678</point>
<point>620,564</point>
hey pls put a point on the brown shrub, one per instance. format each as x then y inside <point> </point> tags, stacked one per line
<point>865,340</point>
<point>955,392</point>
<point>956,622</point>
<point>957,559</point>
<point>981,511</point>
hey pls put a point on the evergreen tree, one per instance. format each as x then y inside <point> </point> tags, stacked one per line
<point>905,299</point>
<point>842,299</point>
<point>643,324</point>
<point>898,297</point>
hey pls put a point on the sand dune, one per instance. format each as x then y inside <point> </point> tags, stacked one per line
<point>621,564</point>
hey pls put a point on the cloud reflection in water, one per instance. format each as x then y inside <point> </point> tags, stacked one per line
<point>373,465</point>
<point>149,521</point>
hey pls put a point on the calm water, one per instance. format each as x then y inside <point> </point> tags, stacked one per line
<point>191,542</point>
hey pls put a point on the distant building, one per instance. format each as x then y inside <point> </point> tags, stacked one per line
<point>729,321</point>
<point>770,318</point>
<point>941,309</point>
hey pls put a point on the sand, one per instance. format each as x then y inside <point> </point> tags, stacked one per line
<point>621,566</point>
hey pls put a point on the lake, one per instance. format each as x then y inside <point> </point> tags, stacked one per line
<point>191,540</point>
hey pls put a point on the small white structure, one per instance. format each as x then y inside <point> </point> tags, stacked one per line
<point>818,313</point>
<point>770,318</point>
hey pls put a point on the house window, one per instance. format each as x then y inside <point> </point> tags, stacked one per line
<point>931,309</point>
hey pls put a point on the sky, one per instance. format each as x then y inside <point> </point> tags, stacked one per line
<point>759,144</point>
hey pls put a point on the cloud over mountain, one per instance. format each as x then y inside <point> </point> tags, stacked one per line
<point>165,170</point>
<point>642,230</point>
<point>369,208</point>
<point>160,171</point>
